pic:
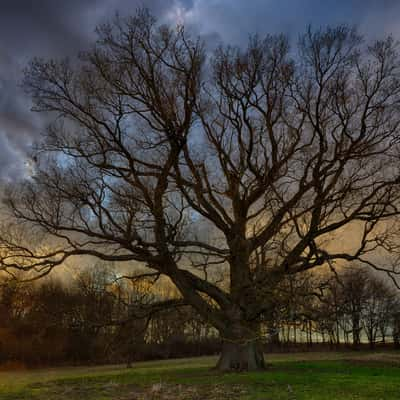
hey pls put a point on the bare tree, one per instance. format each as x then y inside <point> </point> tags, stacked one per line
<point>354,294</point>
<point>269,151</point>
<point>377,310</point>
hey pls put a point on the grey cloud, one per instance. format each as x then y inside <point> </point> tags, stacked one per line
<point>236,20</point>
<point>53,28</point>
<point>44,28</point>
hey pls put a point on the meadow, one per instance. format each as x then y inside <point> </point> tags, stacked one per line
<point>308,376</point>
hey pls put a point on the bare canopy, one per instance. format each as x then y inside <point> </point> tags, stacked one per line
<point>248,161</point>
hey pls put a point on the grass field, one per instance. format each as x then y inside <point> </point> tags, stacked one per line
<point>309,376</point>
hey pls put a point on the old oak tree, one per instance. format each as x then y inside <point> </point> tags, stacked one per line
<point>241,162</point>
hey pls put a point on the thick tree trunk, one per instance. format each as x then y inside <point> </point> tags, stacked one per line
<point>356,331</point>
<point>236,356</point>
<point>241,348</point>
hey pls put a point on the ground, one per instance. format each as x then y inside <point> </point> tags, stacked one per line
<point>308,376</point>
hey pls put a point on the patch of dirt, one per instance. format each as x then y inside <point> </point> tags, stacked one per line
<point>165,391</point>
<point>392,359</point>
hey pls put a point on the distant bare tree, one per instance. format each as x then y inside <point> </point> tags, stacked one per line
<point>396,327</point>
<point>377,310</point>
<point>265,149</point>
<point>353,297</point>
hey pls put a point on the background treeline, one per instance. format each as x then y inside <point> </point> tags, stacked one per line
<point>97,318</point>
<point>354,307</point>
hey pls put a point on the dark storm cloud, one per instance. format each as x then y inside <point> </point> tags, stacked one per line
<point>30,28</point>
<point>44,28</point>
<point>235,20</point>
<point>53,28</point>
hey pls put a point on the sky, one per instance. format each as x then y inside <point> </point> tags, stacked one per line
<point>55,28</point>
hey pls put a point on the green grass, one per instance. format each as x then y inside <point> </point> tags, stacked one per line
<point>309,376</point>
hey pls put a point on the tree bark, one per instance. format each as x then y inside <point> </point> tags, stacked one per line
<point>241,350</point>
<point>236,356</point>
